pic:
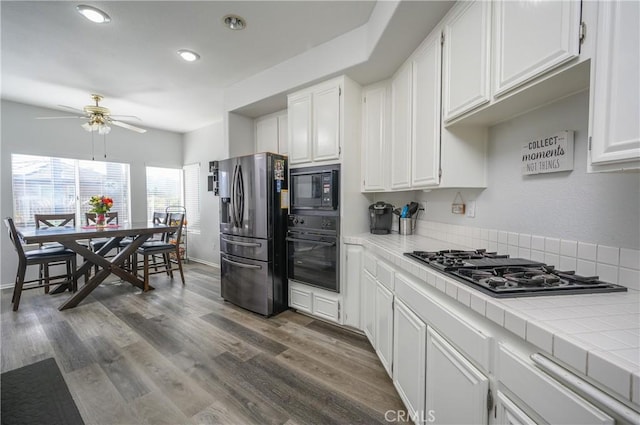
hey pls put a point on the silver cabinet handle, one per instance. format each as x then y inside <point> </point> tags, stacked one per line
<point>250,244</point>
<point>244,266</point>
<point>312,242</point>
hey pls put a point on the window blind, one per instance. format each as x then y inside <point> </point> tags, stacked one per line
<point>164,189</point>
<point>49,185</point>
<point>192,196</point>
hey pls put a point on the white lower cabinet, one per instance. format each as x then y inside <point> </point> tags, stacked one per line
<point>508,413</point>
<point>456,391</point>
<point>409,358</point>
<point>369,306</point>
<point>318,302</point>
<point>384,326</point>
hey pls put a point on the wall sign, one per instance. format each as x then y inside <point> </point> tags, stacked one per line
<point>548,154</point>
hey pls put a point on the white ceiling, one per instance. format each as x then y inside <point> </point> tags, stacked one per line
<point>52,56</point>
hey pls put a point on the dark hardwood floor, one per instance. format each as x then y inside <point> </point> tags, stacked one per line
<point>181,355</point>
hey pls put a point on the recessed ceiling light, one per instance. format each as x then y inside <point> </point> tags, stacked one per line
<point>93,14</point>
<point>234,22</point>
<point>188,55</point>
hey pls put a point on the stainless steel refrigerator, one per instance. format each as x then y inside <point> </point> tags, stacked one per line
<point>253,224</point>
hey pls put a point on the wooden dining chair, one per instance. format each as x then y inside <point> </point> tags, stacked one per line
<point>97,243</point>
<point>52,220</point>
<point>46,256</point>
<point>170,244</point>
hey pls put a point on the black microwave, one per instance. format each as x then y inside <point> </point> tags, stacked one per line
<point>315,188</point>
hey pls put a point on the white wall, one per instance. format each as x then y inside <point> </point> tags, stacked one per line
<point>602,208</point>
<point>204,145</point>
<point>22,133</point>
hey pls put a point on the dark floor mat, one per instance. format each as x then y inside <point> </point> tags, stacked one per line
<point>37,394</point>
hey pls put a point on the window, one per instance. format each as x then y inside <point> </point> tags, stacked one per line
<point>48,185</point>
<point>192,196</point>
<point>164,189</point>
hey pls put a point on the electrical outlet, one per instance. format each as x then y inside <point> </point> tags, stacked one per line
<point>423,206</point>
<point>471,209</point>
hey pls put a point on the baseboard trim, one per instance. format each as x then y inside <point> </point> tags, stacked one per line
<point>206,263</point>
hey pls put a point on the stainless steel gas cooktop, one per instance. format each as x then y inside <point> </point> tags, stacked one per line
<point>502,277</point>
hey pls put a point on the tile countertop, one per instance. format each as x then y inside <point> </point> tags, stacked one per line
<point>597,334</point>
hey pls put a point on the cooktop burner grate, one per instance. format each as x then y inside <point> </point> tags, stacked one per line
<point>502,276</point>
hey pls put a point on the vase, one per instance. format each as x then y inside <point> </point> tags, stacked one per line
<point>100,220</point>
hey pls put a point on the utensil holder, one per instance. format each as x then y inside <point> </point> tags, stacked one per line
<point>406,226</point>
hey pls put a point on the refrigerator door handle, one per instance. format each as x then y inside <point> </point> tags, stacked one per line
<point>247,244</point>
<point>242,265</point>
<point>234,196</point>
<point>240,183</point>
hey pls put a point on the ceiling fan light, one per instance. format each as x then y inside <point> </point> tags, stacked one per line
<point>93,14</point>
<point>104,129</point>
<point>87,126</point>
<point>234,22</point>
<point>188,55</point>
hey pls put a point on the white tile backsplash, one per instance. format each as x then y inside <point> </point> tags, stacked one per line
<point>608,255</point>
<point>630,258</point>
<point>611,264</point>
<point>552,245</point>
<point>537,243</point>
<point>587,251</point>
<point>568,248</point>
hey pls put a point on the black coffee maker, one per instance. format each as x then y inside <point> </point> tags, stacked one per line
<point>380,215</point>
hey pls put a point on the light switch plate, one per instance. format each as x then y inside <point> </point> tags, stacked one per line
<point>471,209</point>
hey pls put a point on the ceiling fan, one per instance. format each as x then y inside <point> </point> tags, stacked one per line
<point>98,117</point>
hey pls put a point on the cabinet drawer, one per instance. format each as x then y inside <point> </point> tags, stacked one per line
<point>370,264</point>
<point>326,307</point>
<point>548,398</point>
<point>385,275</point>
<point>300,299</point>
<point>471,341</point>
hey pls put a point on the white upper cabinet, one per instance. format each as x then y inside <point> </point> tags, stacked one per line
<point>425,147</point>
<point>314,124</point>
<point>466,58</point>
<point>401,128</point>
<point>326,123</point>
<point>271,133</point>
<point>530,38</point>
<point>299,109</point>
<point>614,109</point>
<point>283,133</point>
<point>374,138</point>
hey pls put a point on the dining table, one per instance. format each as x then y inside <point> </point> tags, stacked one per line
<point>71,237</point>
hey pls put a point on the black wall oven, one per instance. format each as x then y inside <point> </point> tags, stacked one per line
<point>313,250</point>
<point>315,189</point>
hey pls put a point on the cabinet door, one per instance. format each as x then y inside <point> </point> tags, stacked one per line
<point>327,307</point>
<point>369,307</point>
<point>299,110</point>
<point>509,413</point>
<point>523,48</point>
<point>401,128</point>
<point>384,326</point>
<point>614,100</point>
<point>409,345</point>
<point>374,157</point>
<point>326,123</point>
<point>283,132</point>
<point>456,391</point>
<point>466,58</point>
<point>267,134</point>
<point>425,153</point>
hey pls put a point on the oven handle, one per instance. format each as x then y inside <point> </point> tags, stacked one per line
<point>244,266</point>
<point>311,241</point>
<point>250,244</point>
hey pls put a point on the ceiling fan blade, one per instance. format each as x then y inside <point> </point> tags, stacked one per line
<point>128,117</point>
<point>76,110</point>
<point>128,126</point>
<point>57,118</point>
